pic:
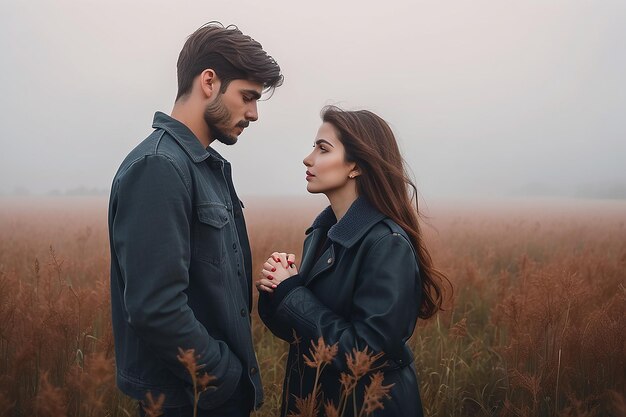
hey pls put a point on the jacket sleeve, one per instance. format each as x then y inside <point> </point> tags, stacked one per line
<point>385,305</point>
<point>268,303</point>
<point>151,239</point>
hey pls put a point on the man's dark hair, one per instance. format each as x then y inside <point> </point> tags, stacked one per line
<point>230,53</point>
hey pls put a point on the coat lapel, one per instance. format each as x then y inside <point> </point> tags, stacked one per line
<point>360,217</point>
<point>325,261</point>
<point>308,254</point>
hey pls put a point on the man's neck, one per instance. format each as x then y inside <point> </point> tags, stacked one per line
<point>193,118</point>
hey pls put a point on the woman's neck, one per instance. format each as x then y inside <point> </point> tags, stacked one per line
<point>341,200</point>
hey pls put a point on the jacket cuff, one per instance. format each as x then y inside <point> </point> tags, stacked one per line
<point>285,288</point>
<point>269,302</point>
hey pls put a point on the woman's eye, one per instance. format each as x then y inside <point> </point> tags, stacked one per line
<point>323,149</point>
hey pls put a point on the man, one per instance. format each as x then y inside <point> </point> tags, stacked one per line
<point>180,255</point>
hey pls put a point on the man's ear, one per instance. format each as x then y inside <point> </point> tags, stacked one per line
<point>209,83</point>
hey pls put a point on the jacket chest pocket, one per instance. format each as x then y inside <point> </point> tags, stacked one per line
<point>210,233</point>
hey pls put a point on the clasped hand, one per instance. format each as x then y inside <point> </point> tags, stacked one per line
<point>278,267</point>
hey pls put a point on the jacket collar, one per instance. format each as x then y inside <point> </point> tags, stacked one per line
<point>185,138</point>
<point>359,218</point>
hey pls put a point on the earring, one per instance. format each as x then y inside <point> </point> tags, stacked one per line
<point>351,176</point>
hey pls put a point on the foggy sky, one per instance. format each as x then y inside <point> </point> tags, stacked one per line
<point>490,98</point>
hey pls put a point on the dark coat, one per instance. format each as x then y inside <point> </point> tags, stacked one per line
<point>180,271</point>
<point>364,290</point>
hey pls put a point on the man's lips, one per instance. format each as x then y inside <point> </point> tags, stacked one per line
<point>241,126</point>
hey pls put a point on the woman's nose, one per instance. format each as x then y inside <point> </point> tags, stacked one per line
<point>307,160</point>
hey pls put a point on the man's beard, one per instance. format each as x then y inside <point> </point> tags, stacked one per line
<point>217,118</point>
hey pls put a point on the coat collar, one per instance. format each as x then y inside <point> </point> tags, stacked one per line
<point>185,138</point>
<point>359,218</point>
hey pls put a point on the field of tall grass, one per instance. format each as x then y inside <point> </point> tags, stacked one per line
<point>536,326</point>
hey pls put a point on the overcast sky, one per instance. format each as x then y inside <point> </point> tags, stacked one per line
<point>489,98</point>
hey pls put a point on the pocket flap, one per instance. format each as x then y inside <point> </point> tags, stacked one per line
<point>216,216</point>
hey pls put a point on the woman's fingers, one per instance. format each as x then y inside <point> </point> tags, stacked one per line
<point>280,257</point>
<point>269,267</point>
<point>291,260</point>
<point>286,260</point>
<point>265,285</point>
<point>283,260</point>
<point>262,287</point>
<point>267,274</point>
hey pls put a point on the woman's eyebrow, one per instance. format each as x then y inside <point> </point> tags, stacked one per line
<point>319,141</point>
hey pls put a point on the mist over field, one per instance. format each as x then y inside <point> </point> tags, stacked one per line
<point>489,99</point>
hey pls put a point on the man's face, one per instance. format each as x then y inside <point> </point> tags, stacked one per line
<point>231,112</point>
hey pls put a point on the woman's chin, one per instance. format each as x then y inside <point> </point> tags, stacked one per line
<point>312,189</point>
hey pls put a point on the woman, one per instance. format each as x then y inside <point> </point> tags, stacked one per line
<point>365,275</point>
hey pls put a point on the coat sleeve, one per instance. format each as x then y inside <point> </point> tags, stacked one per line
<point>385,305</point>
<point>151,239</point>
<point>268,302</point>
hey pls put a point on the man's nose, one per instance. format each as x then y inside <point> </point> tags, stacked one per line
<point>252,113</point>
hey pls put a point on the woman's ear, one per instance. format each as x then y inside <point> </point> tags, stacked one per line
<point>355,172</point>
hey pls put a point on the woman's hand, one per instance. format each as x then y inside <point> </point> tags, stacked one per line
<point>277,268</point>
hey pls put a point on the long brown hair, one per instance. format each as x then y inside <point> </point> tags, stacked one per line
<point>370,143</point>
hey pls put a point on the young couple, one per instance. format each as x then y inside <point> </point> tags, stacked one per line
<point>181,272</point>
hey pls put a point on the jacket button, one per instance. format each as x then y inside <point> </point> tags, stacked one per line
<point>253,371</point>
<point>243,312</point>
<point>329,261</point>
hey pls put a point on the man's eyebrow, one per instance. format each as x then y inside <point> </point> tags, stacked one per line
<point>317,142</point>
<point>255,94</point>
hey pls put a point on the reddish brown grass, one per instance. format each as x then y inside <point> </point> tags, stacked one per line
<point>536,327</point>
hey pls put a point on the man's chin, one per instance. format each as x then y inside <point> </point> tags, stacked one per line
<point>227,140</point>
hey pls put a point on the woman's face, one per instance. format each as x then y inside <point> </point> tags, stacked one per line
<point>327,169</point>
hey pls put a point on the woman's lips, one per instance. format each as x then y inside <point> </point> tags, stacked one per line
<point>309,175</point>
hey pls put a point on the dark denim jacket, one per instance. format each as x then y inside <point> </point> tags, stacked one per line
<point>180,271</point>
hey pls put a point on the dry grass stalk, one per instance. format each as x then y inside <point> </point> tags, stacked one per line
<point>375,392</point>
<point>201,382</point>
<point>359,363</point>
<point>330,410</point>
<point>305,407</point>
<point>50,400</point>
<point>321,355</point>
<point>92,382</point>
<point>152,407</point>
